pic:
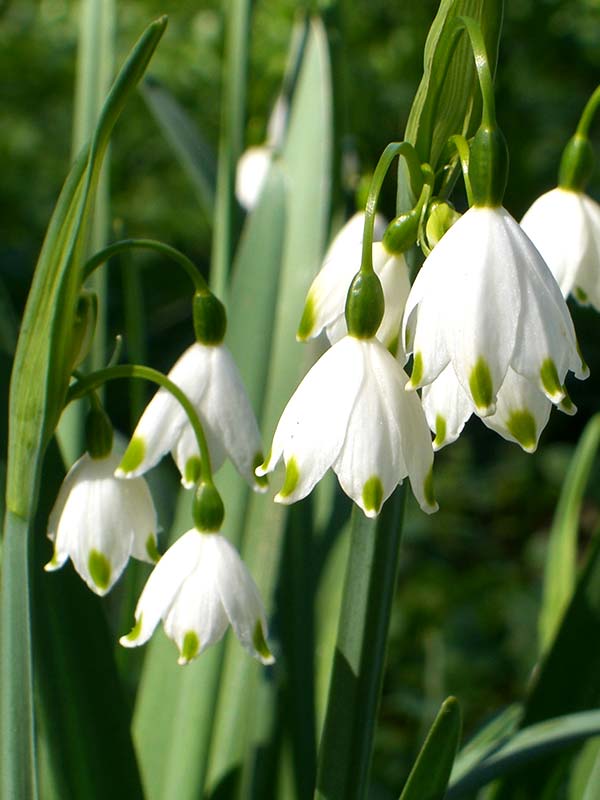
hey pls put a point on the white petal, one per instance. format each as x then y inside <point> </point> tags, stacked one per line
<point>163,585</point>
<point>393,273</point>
<point>371,462</point>
<point>164,418</point>
<point>326,299</point>
<point>240,598</point>
<point>313,425</point>
<point>139,516</point>
<point>251,173</point>
<point>522,412</point>
<point>446,407</point>
<point>587,279</point>
<point>186,452</point>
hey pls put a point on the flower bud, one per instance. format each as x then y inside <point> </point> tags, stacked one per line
<point>576,164</point>
<point>401,233</point>
<point>441,217</point>
<point>210,319</point>
<point>364,305</point>
<point>208,511</point>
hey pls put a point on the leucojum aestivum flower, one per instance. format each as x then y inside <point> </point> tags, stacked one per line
<point>421,322</point>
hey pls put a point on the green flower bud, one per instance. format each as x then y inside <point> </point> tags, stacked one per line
<point>488,167</point>
<point>440,218</point>
<point>208,511</point>
<point>210,319</point>
<point>98,432</point>
<point>364,305</point>
<point>576,164</point>
<point>401,234</point>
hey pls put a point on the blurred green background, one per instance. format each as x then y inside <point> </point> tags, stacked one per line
<point>465,616</point>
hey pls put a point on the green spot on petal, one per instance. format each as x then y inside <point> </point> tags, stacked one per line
<point>292,476</point>
<point>307,323</point>
<point>190,647</point>
<point>428,489</point>
<point>135,631</point>
<point>134,455</point>
<point>260,644</point>
<point>372,494</point>
<point>261,480</point>
<point>192,470</point>
<point>100,569</point>
<point>152,549</point>
<point>480,384</point>
<point>440,431</point>
<point>549,377</point>
<point>417,370</point>
<point>521,425</point>
<point>580,294</point>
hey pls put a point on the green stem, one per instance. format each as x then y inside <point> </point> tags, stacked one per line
<point>583,128</point>
<point>124,245</point>
<point>389,154</point>
<point>482,65</point>
<point>357,674</point>
<point>91,382</point>
<point>462,148</point>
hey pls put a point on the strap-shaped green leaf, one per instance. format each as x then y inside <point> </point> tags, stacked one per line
<point>485,741</point>
<point>429,776</point>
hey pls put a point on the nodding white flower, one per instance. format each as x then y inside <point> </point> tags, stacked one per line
<point>99,521</point>
<point>197,589</point>
<point>564,225</point>
<point>326,299</point>
<point>351,413</point>
<point>485,301</point>
<point>251,174</point>
<point>522,410</point>
<point>209,377</point>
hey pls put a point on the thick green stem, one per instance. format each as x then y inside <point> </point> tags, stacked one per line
<point>357,674</point>
<point>389,154</point>
<point>583,127</point>
<point>91,382</point>
<point>124,245</point>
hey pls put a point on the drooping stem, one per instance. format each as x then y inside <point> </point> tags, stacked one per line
<point>355,689</point>
<point>389,154</point>
<point>124,245</point>
<point>91,382</point>
<point>587,115</point>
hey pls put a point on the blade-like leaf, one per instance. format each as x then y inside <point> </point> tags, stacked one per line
<point>496,732</point>
<point>528,745</point>
<point>561,559</point>
<point>429,776</point>
<point>193,153</point>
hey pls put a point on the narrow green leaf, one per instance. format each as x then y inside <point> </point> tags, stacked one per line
<point>194,154</point>
<point>347,739</point>
<point>592,789</point>
<point>496,732</point>
<point>585,773</point>
<point>529,744</point>
<point>430,774</point>
<point>561,560</point>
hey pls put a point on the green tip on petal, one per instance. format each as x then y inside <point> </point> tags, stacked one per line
<point>550,381</point>
<point>100,569</point>
<point>152,549</point>
<point>567,406</point>
<point>260,644</point>
<point>440,431</point>
<point>521,425</point>
<point>584,367</point>
<point>261,469</point>
<point>428,492</point>
<point>189,648</point>
<point>292,476</point>
<point>580,295</point>
<point>372,496</point>
<point>417,370</point>
<point>53,563</point>
<point>480,384</point>
<point>134,455</point>
<point>307,322</point>
<point>193,468</point>
<point>135,631</point>
<point>261,481</point>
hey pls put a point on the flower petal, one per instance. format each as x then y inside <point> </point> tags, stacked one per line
<point>586,286</point>
<point>393,273</point>
<point>446,407</point>
<point>522,412</point>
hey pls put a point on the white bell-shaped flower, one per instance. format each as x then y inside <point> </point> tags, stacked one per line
<point>326,299</point>
<point>210,378</point>
<point>351,413</point>
<point>197,589</point>
<point>564,225</point>
<point>485,301</point>
<point>98,521</point>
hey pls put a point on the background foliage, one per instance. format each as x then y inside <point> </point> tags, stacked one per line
<point>470,576</point>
